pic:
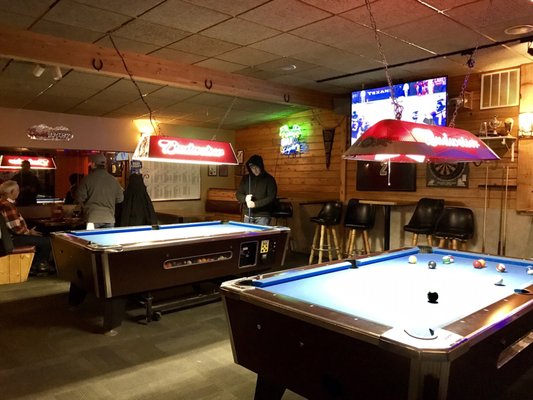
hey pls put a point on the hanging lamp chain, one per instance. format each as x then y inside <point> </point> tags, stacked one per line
<point>470,63</point>
<point>398,108</point>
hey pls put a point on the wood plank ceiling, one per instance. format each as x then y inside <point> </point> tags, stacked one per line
<point>235,63</point>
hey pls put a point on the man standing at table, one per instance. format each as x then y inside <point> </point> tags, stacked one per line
<point>257,192</point>
<point>98,194</point>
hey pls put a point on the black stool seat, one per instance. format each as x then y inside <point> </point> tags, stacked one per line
<point>424,218</point>
<point>456,224</point>
<point>327,219</point>
<point>359,217</point>
<point>282,210</point>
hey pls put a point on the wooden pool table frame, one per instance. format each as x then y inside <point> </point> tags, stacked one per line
<point>321,353</point>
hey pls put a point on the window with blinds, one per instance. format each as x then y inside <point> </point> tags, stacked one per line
<point>500,89</point>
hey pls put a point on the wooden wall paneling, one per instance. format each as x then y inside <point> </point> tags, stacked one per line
<point>305,175</point>
<point>524,201</point>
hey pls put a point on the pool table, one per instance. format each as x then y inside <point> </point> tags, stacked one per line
<point>114,263</point>
<point>381,327</point>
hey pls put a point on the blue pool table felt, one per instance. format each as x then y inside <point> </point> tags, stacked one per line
<point>391,291</point>
<point>124,236</point>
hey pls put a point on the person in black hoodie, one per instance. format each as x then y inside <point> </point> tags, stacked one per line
<point>137,207</point>
<point>257,192</point>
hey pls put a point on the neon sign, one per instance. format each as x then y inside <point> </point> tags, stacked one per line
<point>14,162</point>
<point>180,150</point>
<point>292,142</point>
<point>173,147</point>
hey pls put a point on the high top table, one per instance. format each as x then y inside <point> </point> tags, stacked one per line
<point>387,204</point>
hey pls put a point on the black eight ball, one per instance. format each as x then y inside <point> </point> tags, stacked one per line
<point>433,297</point>
<point>432,264</point>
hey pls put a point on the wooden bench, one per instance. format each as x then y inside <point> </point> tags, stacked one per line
<point>15,266</point>
<point>222,204</point>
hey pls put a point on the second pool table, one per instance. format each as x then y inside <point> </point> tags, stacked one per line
<point>117,262</point>
<point>380,327</point>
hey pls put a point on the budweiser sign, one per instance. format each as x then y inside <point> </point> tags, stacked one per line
<point>180,150</point>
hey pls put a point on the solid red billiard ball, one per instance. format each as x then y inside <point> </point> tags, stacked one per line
<point>477,264</point>
<point>500,268</point>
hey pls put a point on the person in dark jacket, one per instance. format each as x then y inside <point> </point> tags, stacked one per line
<point>28,183</point>
<point>257,192</point>
<point>137,207</point>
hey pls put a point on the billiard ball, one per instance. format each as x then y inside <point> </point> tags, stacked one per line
<point>530,270</point>
<point>433,297</point>
<point>500,268</point>
<point>482,262</point>
<point>477,264</point>
<point>432,265</point>
<point>452,260</point>
<point>412,260</point>
<point>446,260</point>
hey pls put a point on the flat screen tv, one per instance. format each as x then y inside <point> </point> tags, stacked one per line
<point>375,176</point>
<point>423,101</point>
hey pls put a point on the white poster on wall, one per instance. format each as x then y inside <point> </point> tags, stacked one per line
<point>171,181</point>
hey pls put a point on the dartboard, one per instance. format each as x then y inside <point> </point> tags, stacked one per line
<point>447,171</point>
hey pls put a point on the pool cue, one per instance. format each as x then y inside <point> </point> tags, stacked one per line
<point>501,222</point>
<point>249,192</point>
<point>505,210</point>
<point>485,207</point>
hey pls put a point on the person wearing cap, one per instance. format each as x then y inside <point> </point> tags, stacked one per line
<point>98,194</point>
<point>257,192</point>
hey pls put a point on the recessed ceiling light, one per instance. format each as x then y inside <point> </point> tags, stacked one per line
<point>519,29</point>
<point>288,67</point>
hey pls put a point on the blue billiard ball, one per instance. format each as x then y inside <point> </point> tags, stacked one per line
<point>432,265</point>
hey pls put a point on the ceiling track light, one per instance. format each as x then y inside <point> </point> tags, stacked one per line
<point>38,70</point>
<point>56,73</point>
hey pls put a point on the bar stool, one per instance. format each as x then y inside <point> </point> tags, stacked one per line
<point>327,219</point>
<point>280,214</point>
<point>455,224</point>
<point>359,217</point>
<point>424,218</point>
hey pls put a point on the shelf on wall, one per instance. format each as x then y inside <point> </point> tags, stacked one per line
<point>498,141</point>
<point>500,187</point>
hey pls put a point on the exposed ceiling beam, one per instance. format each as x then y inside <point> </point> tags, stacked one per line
<point>86,57</point>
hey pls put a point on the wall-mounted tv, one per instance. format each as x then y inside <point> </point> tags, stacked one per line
<point>423,101</point>
<point>375,176</point>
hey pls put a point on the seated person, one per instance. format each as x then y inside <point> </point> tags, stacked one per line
<point>22,235</point>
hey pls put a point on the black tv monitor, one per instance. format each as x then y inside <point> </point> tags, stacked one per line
<point>374,176</point>
<point>423,101</point>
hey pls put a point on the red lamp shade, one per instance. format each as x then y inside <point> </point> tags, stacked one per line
<point>183,150</point>
<point>402,141</point>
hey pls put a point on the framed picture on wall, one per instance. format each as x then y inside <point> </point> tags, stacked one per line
<point>223,170</point>
<point>211,170</point>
